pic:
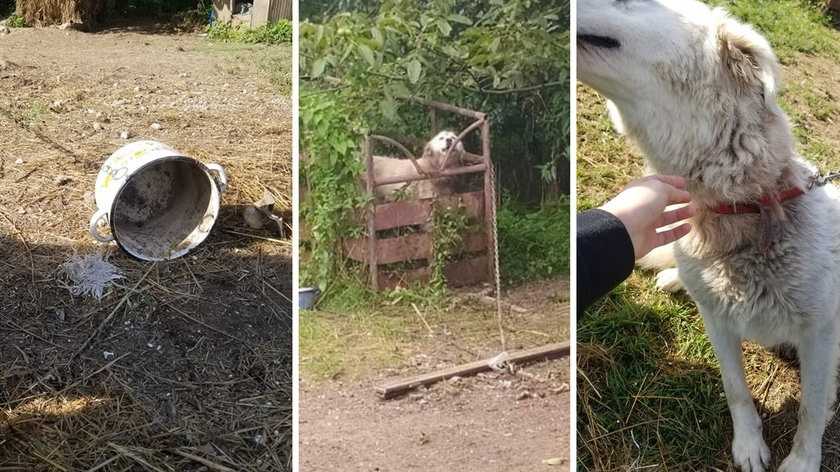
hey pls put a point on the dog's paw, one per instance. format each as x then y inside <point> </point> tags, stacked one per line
<point>801,462</point>
<point>669,281</point>
<point>750,453</point>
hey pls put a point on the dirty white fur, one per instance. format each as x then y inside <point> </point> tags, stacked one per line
<point>433,156</point>
<point>663,258</point>
<point>696,91</point>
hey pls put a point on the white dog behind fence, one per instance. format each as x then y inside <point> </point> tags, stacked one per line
<point>696,90</point>
<point>434,154</point>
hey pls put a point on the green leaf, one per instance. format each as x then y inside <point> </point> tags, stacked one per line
<point>378,39</point>
<point>367,54</point>
<point>414,68</point>
<point>388,107</point>
<point>444,27</point>
<point>318,67</point>
<point>399,89</point>
<point>455,18</point>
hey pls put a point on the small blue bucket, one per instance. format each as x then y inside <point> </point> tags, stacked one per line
<point>307,296</point>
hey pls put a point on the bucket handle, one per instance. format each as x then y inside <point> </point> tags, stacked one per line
<point>99,216</point>
<point>219,175</point>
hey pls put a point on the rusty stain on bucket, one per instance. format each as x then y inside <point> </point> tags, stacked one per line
<point>158,203</point>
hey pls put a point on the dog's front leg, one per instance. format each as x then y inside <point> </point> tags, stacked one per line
<point>818,367</point>
<point>749,452</point>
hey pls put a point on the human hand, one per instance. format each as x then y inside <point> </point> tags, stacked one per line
<point>641,208</point>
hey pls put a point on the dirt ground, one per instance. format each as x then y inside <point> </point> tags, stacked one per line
<point>491,422</point>
<point>183,365</point>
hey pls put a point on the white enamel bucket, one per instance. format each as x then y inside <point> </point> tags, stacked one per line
<point>157,203</point>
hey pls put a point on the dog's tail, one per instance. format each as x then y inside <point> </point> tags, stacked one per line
<point>660,258</point>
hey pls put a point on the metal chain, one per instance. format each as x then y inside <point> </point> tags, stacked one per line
<point>821,180</point>
<point>491,169</point>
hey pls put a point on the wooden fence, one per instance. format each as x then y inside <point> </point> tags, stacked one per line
<point>407,254</point>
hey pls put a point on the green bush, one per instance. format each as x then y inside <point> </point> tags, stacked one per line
<point>366,57</point>
<point>272,33</point>
<point>534,244</point>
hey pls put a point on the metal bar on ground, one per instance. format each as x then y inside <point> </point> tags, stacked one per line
<point>399,387</point>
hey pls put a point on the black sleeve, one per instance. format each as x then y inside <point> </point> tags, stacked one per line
<point>605,255</point>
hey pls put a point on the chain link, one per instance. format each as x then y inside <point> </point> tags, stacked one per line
<point>821,180</point>
<point>492,170</point>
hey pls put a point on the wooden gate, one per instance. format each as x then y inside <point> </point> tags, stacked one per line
<point>386,257</point>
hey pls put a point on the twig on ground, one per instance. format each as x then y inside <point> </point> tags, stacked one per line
<point>212,465</point>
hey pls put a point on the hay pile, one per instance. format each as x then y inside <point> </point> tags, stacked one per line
<point>58,12</point>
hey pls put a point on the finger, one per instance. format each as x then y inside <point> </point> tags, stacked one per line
<point>671,235</point>
<point>672,180</point>
<point>676,195</point>
<point>672,216</point>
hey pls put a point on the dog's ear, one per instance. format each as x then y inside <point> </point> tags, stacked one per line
<point>427,150</point>
<point>747,56</point>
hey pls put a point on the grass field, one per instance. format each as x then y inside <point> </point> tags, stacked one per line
<point>649,390</point>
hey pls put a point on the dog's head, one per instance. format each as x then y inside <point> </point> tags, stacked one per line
<point>648,50</point>
<point>695,88</point>
<point>437,148</point>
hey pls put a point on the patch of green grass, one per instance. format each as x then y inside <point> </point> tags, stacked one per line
<point>791,26</point>
<point>271,33</point>
<point>350,343</point>
<point>534,244</point>
<point>35,112</point>
<point>605,160</point>
<point>648,371</point>
<point>813,113</point>
<point>14,21</point>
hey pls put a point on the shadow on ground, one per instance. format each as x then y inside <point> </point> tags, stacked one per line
<point>181,359</point>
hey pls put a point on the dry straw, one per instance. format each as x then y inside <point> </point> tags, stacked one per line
<point>52,12</point>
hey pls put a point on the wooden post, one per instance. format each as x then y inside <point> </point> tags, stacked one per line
<point>489,201</point>
<point>833,5</point>
<point>371,220</point>
<point>433,117</point>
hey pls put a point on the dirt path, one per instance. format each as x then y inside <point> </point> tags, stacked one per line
<point>491,422</point>
<point>185,358</point>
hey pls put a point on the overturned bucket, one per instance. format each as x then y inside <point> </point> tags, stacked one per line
<point>157,203</point>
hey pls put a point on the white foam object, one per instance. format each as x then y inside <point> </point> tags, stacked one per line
<point>91,275</point>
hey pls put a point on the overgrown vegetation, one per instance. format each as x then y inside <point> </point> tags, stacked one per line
<point>331,167</point>
<point>449,225</point>
<point>364,58</point>
<point>279,32</point>
<point>649,390</point>
<point>534,244</point>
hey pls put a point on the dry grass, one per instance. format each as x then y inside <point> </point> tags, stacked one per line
<point>56,12</point>
<point>183,365</point>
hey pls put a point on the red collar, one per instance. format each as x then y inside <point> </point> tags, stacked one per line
<point>765,201</point>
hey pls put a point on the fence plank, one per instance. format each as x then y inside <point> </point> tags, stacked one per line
<point>410,247</point>
<point>418,212</point>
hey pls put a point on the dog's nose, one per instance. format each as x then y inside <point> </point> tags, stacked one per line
<point>448,142</point>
